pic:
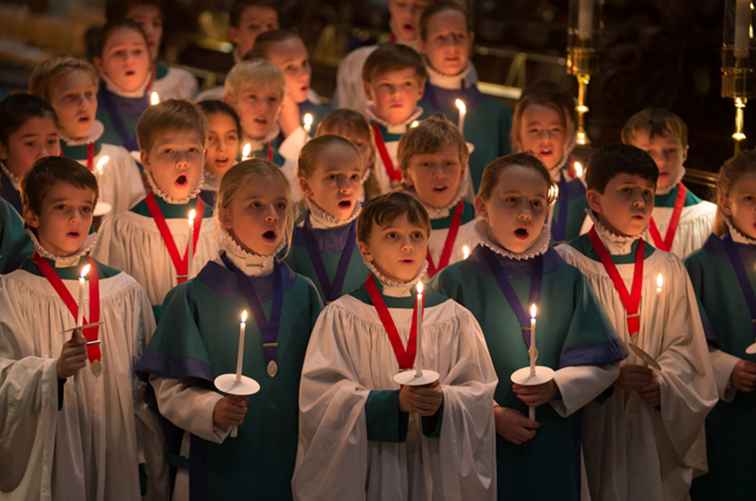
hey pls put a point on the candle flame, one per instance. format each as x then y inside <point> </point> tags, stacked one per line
<point>578,166</point>
<point>659,282</point>
<point>461,106</point>
<point>154,98</point>
<point>246,151</point>
<point>533,311</point>
<point>84,271</point>
<point>420,288</point>
<point>191,216</point>
<point>465,251</point>
<point>243,316</point>
<point>414,124</point>
<point>101,163</point>
<point>307,121</point>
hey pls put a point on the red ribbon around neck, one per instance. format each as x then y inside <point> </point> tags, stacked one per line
<point>666,243</point>
<point>451,238</point>
<point>393,173</point>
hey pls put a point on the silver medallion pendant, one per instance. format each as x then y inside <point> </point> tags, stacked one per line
<point>272,368</point>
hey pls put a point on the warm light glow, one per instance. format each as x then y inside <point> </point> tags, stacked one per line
<point>101,163</point>
<point>420,288</point>
<point>465,251</point>
<point>191,216</point>
<point>154,98</point>
<point>246,151</point>
<point>243,316</point>
<point>461,106</point>
<point>84,271</point>
<point>533,311</point>
<point>307,121</point>
<point>581,139</point>
<point>414,124</point>
<point>659,282</point>
<point>578,169</point>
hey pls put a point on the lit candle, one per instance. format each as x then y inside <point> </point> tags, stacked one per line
<point>240,353</point>
<point>307,120</point>
<point>742,25</point>
<point>83,285</point>
<point>585,19</point>
<point>578,168</point>
<point>532,351</point>
<point>419,323</point>
<point>659,283</point>
<point>246,151</point>
<point>414,124</point>
<point>465,252</point>
<point>190,247</point>
<point>462,108</point>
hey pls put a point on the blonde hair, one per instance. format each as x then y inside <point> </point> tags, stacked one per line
<point>46,73</point>
<point>493,172</point>
<point>311,151</point>
<point>430,136</point>
<point>243,174</point>
<point>656,122</point>
<point>733,169</point>
<point>257,72</point>
<point>549,94</point>
<point>172,114</point>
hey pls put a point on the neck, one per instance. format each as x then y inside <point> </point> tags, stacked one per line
<point>618,243</point>
<point>321,219</point>
<point>62,260</point>
<point>393,287</point>
<point>259,142</point>
<point>95,132</point>
<point>115,89</point>
<point>449,82</point>
<point>394,127</point>
<point>678,179</point>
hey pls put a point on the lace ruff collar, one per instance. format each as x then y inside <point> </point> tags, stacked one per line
<point>63,261</point>
<point>250,263</point>
<point>394,129</point>
<point>452,82</point>
<point>95,133</point>
<point>618,245</point>
<point>538,247</point>
<point>737,235</point>
<point>320,219</point>
<point>157,191</point>
<point>396,288</point>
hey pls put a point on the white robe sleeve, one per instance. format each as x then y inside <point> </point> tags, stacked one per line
<point>580,384</point>
<point>289,150</point>
<point>723,364</point>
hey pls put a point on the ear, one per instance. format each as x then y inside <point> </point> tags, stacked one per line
<point>594,201</point>
<point>685,154</point>
<point>480,208</point>
<point>305,186</point>
<point>31,219</point>
<point>725,206</point>
<point>144,158</point>
<point>421,90</point>
<point>368,91</point>
<point>225,218</point>
<point>365,251</point>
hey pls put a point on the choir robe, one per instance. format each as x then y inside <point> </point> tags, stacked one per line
<point>391,134</point>
<point>487,123</point>
<point>466,236</point>
<point>174,83</point>
<point>354,441</point>
<point>196,341</point>
<point>573,337</point>
<point>15,245</point>
<point>730,434</point>
<point>633,451</point>
<point>120,185</point>
<point>329,243</point>
<point>568,214</point>
<point>10,191</point>
<point>88,441</point>
<point>132,242</point>
<point>120,114</point>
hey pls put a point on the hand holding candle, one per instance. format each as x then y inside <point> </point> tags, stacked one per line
<point>462,108</point>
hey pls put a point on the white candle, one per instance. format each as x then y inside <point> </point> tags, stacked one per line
<point>190,247</point>
<point>307,121</point>
<point>465,252</point>
<point>659,283</point>
<point>533,348</point>
<point>578,168</point>
<point>742,25</point>
<point>585,19</point>
<point>154,98</point>
<point>419,320</point>
<point>83,286</point>
<point>246,151</point>
<point>240,353</point>
<point>462,108</point>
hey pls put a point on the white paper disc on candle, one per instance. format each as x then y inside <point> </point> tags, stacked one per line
<point>102,208</point>
<point>542,375</point>
<point>643,355</point>
<point>751,350</point>
<point>409,378</point>
<point>227,383</point>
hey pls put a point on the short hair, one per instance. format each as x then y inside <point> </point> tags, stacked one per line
<point>493,172</point>
<point>257,72</point>
<point>115,10</point>
<point>111,27</point>
<point>46,73</point>
<point>731,171</point>
<point>385,209</point>
<point>239,6</point>
<point>549,94</point>
<point>311,151</point>
<point>615,159</point>
<point>214,106</point>
<point>343,119</point>
<point>16,109</point>
<point>438,7</point>
<point>171,114</point>
<point>393,57</point>
<point>265,41</point>
<point>656,122</point>
<point>49,171</point>
<point>430,136</point>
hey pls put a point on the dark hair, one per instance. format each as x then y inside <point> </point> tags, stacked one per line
<point>343,118</point>
<point>49,171</point>
<point>265,41</point>
<point>393,57</point>
<point>171,114</point>
<point>214,106</point>
<point>733,169</point>
<point>108,30</point>
<point>431,136</point>
<point>239,6</point>
<point>493,171</point>
<point>383,210</point>
<point>16,109</point>
<point>656,122</point>
<point>115,10</point>
<point>615,159</point>
<point>549,94</point>
<point>308,157</point>
<point>435,8</point>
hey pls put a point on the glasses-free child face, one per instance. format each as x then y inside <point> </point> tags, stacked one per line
<point>291,57</point>
<point>254,21</point>
<point>447,45</point>
<point>258,107</point>
<point>37,138</point>
<point>335,184</point>
<point>517,209</point>
<point>256,217</point>
<point>740,205</point>
<point>668,154</point>
<point>543,134</point>
<point>151,20</point>
<point>437,176</point>
<point>175,162</point>
<point>397,249</point>
<point>63,224</point>
<point>73,96</point>
<point>125,59</point>
<point>625,206</point>
<point>395,95</point>
<point>222,144</point>
<point>405,19</point>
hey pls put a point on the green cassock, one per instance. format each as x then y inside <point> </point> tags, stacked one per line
<point>197,340</point>
<point>15,244</point>
<point>571,331</point>
<point>731,426</point>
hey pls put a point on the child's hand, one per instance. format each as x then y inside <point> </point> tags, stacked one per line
<point>289,118</point>
<point>229,412</point>
<point>73,356</point>
<point>423,400</point>
<point>513,426</point>
<point>533,396</point>
<point>744,376</point>
<point>635,377</point>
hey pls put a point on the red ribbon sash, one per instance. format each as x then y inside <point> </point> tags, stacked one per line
<point>270,153</point>
<point>90,157</point>
<point>631,301</point>
<point>90,333</point>
<point>451,237</point>
<point>180,263</point>
<point>393,173</point>
<point>666,243</point>
<point>405,357</point>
